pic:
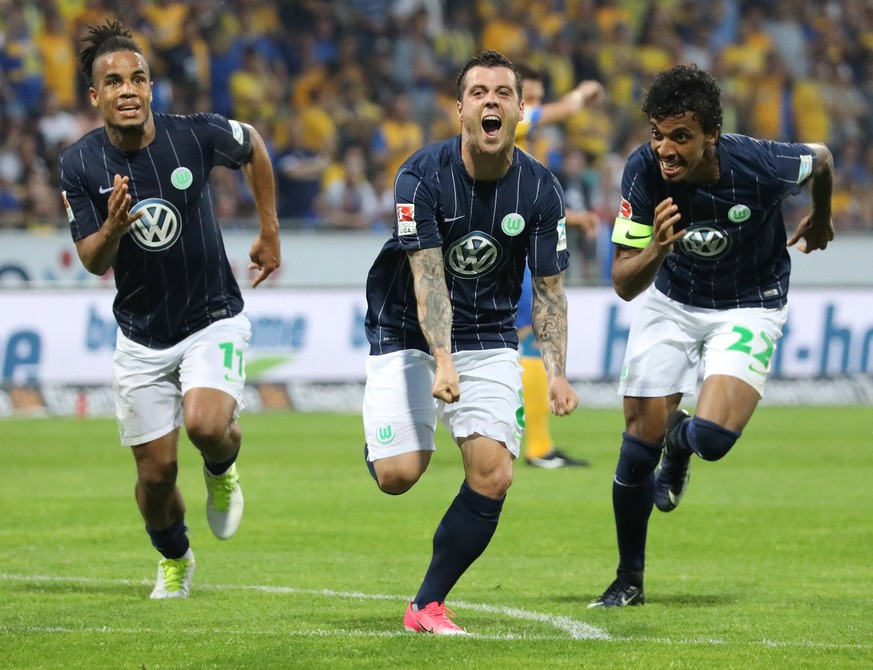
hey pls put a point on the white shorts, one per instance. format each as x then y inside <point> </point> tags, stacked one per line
<point>400,413</point>
<point>668,340</point>
<point>149,383</point>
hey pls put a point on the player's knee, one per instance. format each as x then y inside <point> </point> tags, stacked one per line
<point>637,460</point>
<point>494,484</point>
<point>157,477</point>
<point>206,434</point>
<point>395,481</point>
<point>709,440</point>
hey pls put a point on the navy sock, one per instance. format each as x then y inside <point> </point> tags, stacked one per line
<point>171,542</point>
<point>220,468</point>
<point>369,463</point>
<point>464,532</point>
<point>709,440</point>
<point>633,495</point>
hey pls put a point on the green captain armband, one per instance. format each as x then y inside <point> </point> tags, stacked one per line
<point>631,234</point>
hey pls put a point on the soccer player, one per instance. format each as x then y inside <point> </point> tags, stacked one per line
<point>442,296</point>
<point>539,447</point>
<point>138,201</point>
<point>700,233</point>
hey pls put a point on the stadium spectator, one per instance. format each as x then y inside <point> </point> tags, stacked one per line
<point>504,29</point>
<point>253,89</point>
<point>348,200</point>
<point>188,66</point>
<point>698,235</point>
<point>397,136</point>
<point>299,171</point>
<point>136,194</point>
<point>57,126</point>
<point>416,70</point>
<point>166,30</point>
<point>441,320</point>
<point>58,59</point>
<point>611,42</point>
<point>456,43</point>
<point>21,63</point>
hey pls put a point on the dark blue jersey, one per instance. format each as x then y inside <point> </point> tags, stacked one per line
<point>733,253</point>
<point>485,231</point>
<point>171,271</point>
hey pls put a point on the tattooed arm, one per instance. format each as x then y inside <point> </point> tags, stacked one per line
<point>435,319</point>
<point>550,329</point>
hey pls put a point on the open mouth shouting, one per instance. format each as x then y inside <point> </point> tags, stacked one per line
<point>491,124</point>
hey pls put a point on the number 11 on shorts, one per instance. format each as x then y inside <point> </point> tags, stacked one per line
<point>233,361</point>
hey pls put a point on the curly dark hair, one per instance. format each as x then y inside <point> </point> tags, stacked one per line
<point>685,88</point>
<point>489,58</point>
<point>108,38</point>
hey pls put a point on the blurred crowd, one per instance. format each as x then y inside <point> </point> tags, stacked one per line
<point>345,90</point>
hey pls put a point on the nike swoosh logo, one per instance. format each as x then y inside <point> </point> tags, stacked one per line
<point>104,189</point>
<point>454,218</point>
<point>631,236</point>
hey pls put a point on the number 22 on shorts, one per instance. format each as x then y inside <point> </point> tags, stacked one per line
<point>745,345</point>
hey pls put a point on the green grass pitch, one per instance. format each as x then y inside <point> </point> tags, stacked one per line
<point>768,562</point>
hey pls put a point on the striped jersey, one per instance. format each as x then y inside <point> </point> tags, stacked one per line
<point>485,230</point>
<point>733,253</point>
<point>171,272</point>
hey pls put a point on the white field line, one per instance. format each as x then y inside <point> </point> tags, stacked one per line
<point>573,628</point>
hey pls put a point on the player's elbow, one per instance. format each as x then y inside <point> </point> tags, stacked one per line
<point>824,160</point>
<point>624,289</point>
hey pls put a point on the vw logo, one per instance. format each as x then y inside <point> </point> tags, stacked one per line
<point>706,242</point>
<point>159,226</point>
<point>473,255</point>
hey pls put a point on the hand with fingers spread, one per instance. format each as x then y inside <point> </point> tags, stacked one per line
<point>119,219</point>
<point>666,217</point>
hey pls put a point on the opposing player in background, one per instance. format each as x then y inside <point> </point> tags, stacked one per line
<point>441,298</point>
<point>539,447</point>
<point>138,201</point>
<point>700,233</point>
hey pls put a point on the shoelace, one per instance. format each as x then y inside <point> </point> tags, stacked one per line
<point>440,610</point>
<point>175,570</point>
<point>221,488</point>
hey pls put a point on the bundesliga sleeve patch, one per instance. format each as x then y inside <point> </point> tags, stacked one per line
<point>406,219</point>
<point>69,209</point>
<point>625,210</point>
<point>562,234</point>
<point>237,131</point>
<point>805,168</point>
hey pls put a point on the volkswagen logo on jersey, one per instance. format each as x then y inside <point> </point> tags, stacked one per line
<point>706,242</point>
<point>473,255</point>
<point>159,226</point>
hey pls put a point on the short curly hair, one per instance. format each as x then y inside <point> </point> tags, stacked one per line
<point>685,88</point>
